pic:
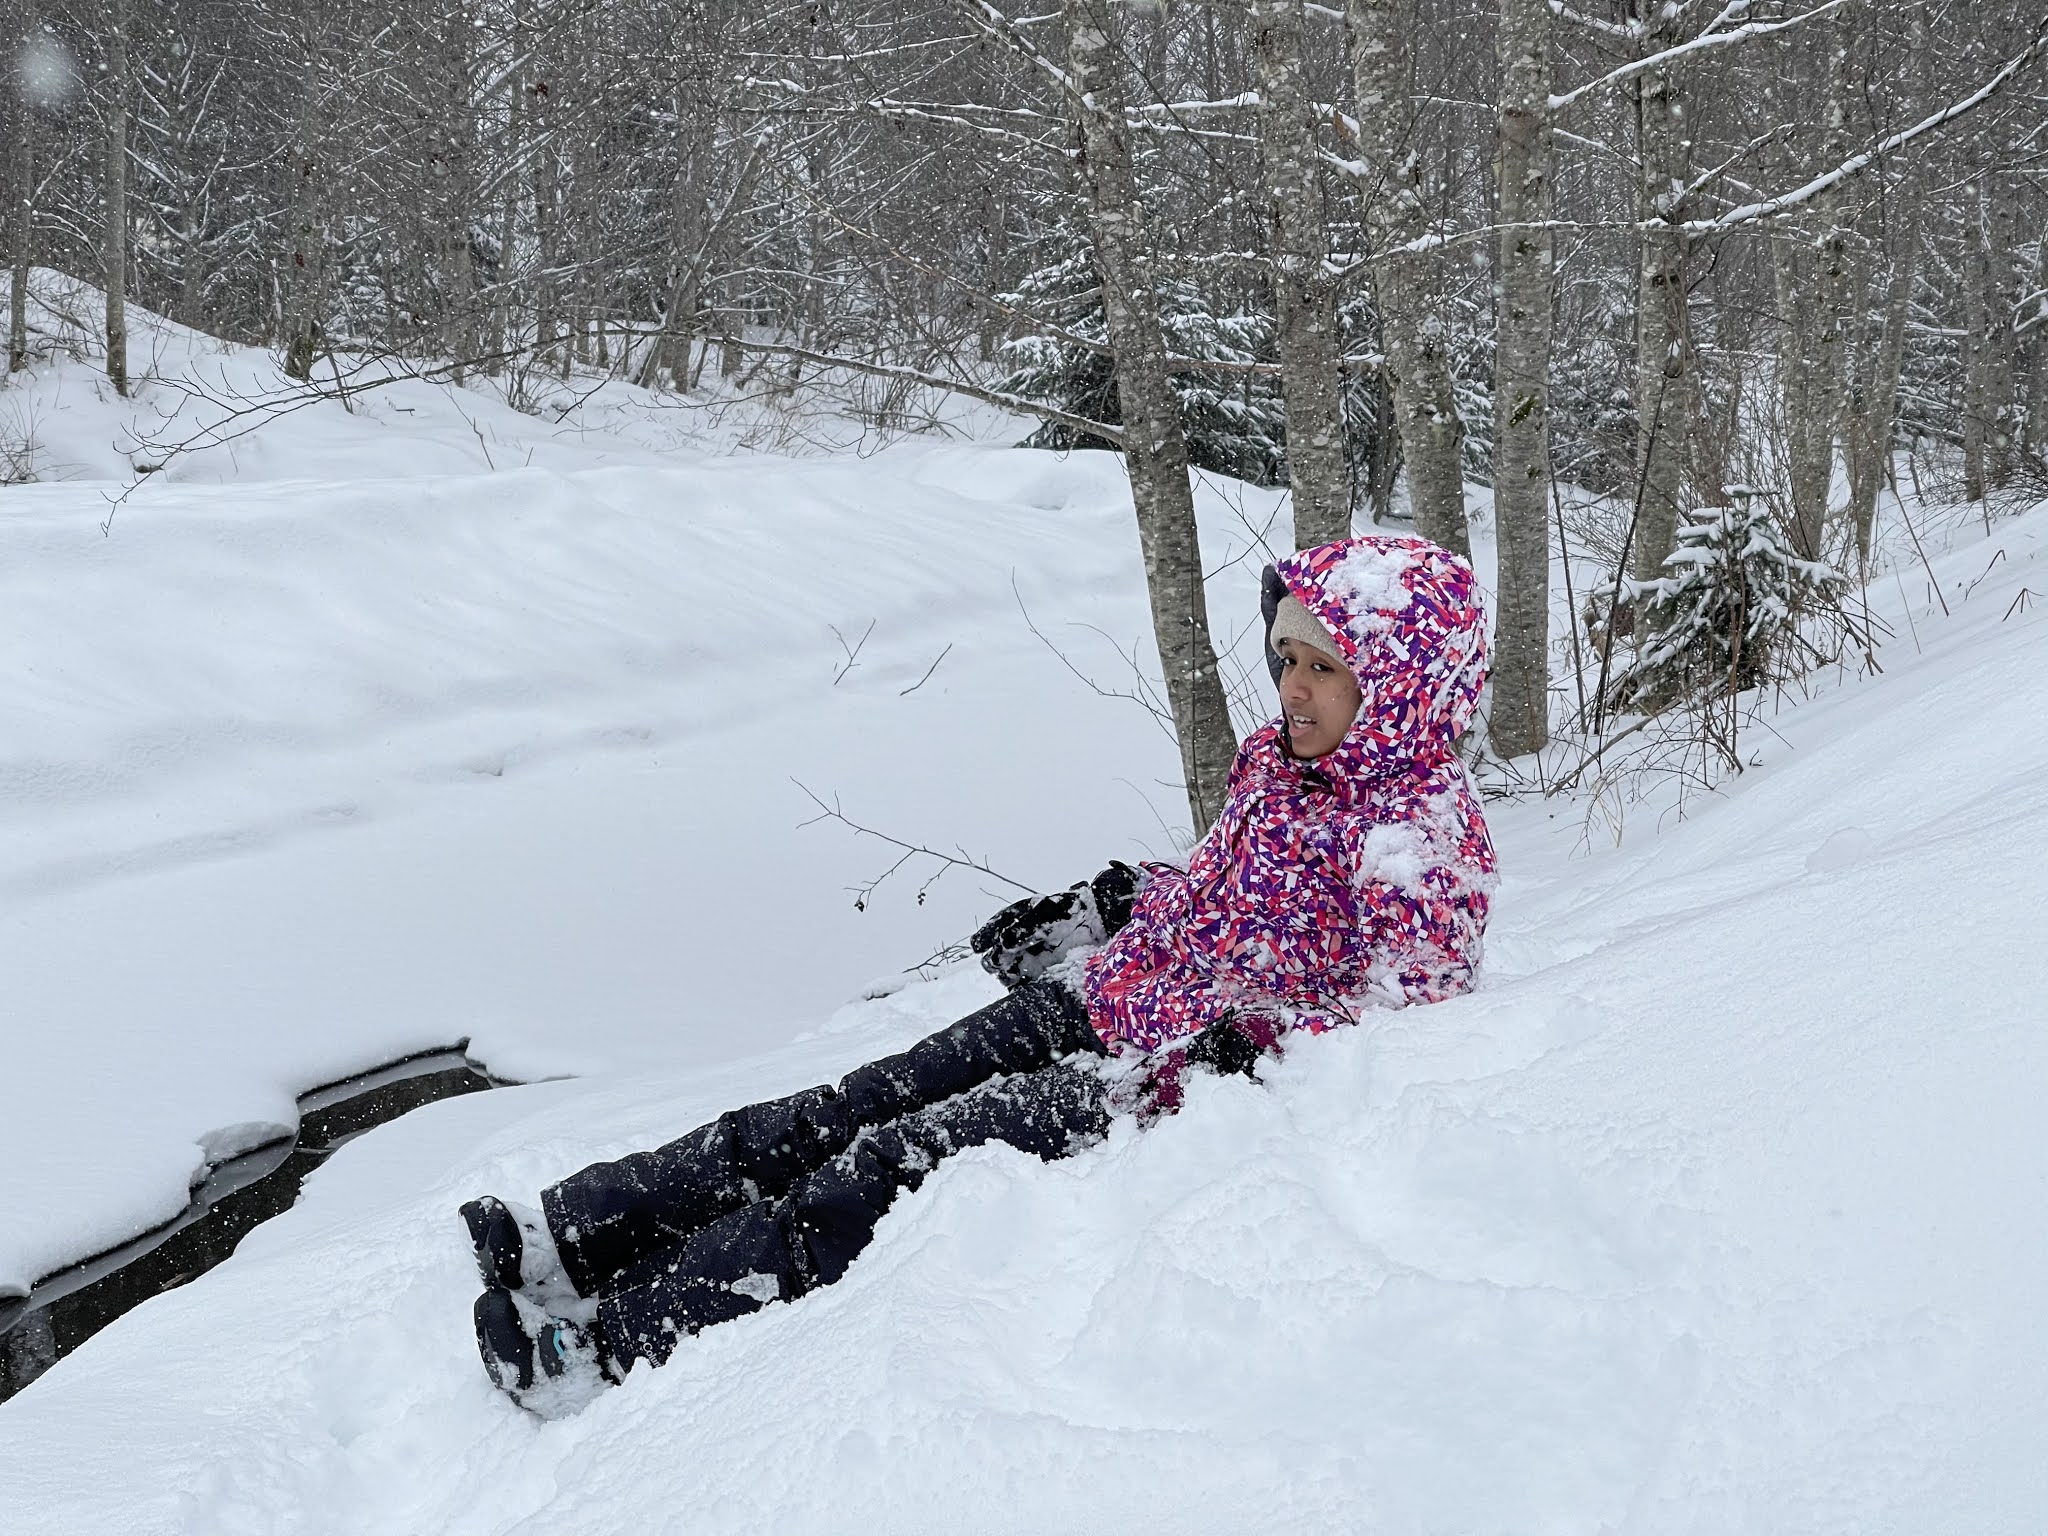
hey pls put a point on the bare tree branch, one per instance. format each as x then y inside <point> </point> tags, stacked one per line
<point>864,892</point>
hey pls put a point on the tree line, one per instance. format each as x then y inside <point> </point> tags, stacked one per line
<point>1375,252</point>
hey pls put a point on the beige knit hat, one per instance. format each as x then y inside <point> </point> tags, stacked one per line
<point>1293,621</point>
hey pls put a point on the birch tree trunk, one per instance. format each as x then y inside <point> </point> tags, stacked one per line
<point>457,167</point>
<point>988,333</point>
<point>1977,304</point>
<point>305,260</point>
<point>1812,287</point>
<point>22,208</point>
<point>114,195</point>
<point>2002,344</point>
<point>1407,283</point>
<point>1868,429</point>
<point>685,236</point>
<point>1155,448</point>
<point>1988,437</point>
<point>548,320</point>
<point>507,320</point>
<point>1520,719</point>
<point>1384,472</point>
<point>1304,299</point>
<point>1664,354</point>
<point>2034,317</point>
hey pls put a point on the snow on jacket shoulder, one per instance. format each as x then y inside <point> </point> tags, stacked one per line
<point>1354,880</point>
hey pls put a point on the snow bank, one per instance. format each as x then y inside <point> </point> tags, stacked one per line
<point>1712,1211</point>
<point>206,411</point>
<point>303,777</point>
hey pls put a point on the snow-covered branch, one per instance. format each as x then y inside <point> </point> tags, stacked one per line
<point>1855,165</point>
<point>1599,27</point>
<point>1748,213</point>
<point>993,23</point>
<point>1243,101</point>
<point>1700,44</point>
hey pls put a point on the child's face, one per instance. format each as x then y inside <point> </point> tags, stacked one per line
<point>1318,697</point>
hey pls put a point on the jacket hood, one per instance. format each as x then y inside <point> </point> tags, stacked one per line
<point>1408,616</point>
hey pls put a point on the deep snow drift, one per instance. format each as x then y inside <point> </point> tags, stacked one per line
<point>1715,1209</point>
<point>304,775</point>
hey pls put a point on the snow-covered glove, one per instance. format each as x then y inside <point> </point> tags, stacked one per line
<point>1116,894</point>
<point>1027,938</point>
<point>1225,1050</point>
<point>1232,1046</point>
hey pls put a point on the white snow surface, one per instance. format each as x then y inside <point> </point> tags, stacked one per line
<point>1716,1208</point>
<point>306,774</point>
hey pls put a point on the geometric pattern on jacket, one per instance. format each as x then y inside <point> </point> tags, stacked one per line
<point>1352,881</point>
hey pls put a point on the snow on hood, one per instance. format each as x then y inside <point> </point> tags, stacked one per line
<point>1408,617</point>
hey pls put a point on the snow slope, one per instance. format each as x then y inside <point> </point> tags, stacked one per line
<point>1715,1209</point>
<point>206,411</point>
<point>304,774</point>
<point>303,777</point>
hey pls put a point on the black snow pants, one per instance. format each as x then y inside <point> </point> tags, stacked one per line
<point>776,1199</point>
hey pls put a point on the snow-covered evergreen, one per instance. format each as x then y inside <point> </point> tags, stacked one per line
<point>1236,423</point>
<point>1727,616</point>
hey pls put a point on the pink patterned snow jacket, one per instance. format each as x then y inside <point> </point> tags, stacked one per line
<point>1355,880</point>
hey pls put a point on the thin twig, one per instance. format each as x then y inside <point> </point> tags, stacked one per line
<point>1914,534</point>
<point>960,859</point>
<point>928,671</point>
<point>1564,556</point>
<point>1982,574</point>
<point>1151,705</point>
<point>852,652</point>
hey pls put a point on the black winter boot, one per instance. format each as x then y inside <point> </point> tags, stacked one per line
<point>550,1366</point>
<point>515,1251</point>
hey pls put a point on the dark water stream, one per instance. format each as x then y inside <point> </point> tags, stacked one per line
<point>69,1307</point>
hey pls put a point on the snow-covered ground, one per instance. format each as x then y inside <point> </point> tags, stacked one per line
<point>1716,1209</point>
<point>306,774</point>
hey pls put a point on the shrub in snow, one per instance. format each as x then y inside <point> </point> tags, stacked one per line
<point>17,445</point>
<point>1725,617</point>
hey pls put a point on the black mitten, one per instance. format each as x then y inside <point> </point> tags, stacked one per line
<point>1027,938</point>
<point>1116,892</point>
<point>1224,1049</point>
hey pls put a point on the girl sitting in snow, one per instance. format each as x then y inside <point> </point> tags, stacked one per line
<point>1350,869</point>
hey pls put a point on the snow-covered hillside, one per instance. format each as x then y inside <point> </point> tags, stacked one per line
<point>211,412</point>
<point>306,775</point>
<point>1715,1209</point>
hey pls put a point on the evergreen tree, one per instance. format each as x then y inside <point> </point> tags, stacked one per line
<point>1725,616</point>
<point>1236,423</point>
<point>1372,443</point>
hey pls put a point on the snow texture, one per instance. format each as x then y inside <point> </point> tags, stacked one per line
<point>1395,855</point>
<point>305,774</point>
<point>1715,1209</point>
<point>1371,583</point>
